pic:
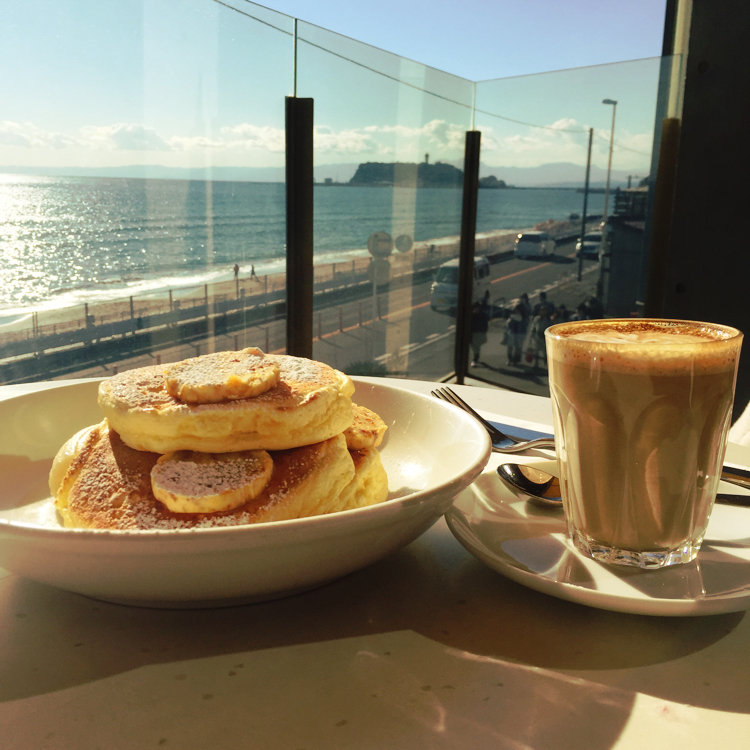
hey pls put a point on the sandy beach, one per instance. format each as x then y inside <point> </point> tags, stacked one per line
<point>432,252</point>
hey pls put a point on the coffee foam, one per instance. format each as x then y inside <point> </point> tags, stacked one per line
<point>640,344</point>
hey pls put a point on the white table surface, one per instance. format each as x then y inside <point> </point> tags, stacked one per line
<point>428,648</point>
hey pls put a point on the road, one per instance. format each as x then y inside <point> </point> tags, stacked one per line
<point>409,338</point>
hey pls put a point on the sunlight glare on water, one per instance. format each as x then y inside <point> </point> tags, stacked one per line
<point>66,240</point>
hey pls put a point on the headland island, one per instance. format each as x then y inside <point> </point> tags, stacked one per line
<point>405,174</point>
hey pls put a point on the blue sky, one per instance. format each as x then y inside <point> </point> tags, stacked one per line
<point>201,83</point>
<point>484,39</point>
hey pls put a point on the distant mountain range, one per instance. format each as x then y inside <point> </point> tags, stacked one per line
<point>558,174</point>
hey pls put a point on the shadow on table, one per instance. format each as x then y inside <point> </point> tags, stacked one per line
<point>435,590</point>
<point>395,689</point>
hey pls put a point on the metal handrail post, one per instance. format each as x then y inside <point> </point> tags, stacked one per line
<point>466,253</point>
<point>299,226</point>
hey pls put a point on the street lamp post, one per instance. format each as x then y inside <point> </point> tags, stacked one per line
<point>613,102</point>
<point>585,204</point>
<point>604,248</point>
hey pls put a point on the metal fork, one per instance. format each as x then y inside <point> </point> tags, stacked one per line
<point>501,443</point>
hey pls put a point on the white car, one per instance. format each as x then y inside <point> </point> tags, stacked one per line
<point>444,290</point>
<point>590,245</point>
<point>533,245</point>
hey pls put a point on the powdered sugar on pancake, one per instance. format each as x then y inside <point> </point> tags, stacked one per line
<point>108,486</point>
<point>191,482</point>
<point>310,403</point>
<point>221,376</point>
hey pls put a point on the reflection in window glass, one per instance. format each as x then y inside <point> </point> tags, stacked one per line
<point>389,142</point>
<point>143,199</point>
<point>536,132</point>
<point>143,204</point>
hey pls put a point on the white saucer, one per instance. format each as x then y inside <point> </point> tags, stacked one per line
<point>529,544</point>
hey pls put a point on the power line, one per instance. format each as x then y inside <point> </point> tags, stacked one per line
<point>415,87</point>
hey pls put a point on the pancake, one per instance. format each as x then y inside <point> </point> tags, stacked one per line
<point>370,483</point>
<point>366,430</point>
<point>67,453</point>
<point>310,403</point>
<point>107,485</point>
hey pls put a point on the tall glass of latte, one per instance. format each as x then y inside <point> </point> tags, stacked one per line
<point>642,410</point>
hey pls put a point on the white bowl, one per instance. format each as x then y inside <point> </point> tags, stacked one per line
<point>431,452</point>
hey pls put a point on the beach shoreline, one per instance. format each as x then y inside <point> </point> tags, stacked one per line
<point>31,335</point>
<point>20,324</point>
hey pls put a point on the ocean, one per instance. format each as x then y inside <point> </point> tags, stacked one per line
<point>66,241</point>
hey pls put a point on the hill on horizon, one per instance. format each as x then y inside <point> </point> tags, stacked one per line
<point>423,174</point>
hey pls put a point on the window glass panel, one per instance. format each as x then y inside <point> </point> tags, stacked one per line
<point>389,144</point>
<point>535,146</point>
<point>144,215</point>
<point>143,158</point>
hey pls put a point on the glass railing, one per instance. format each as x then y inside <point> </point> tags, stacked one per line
<point>146,221</point>
<point>546,139</point>
<point>389,144</point>
<point>143,198</point>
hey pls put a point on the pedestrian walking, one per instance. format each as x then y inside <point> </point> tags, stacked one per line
<point>543,305</point>
<point>480,323</point>
<point>525,306</point>
<point>581,313</point>
<point>515,332</point>
<point>536,346</point>
<point>561,314</point>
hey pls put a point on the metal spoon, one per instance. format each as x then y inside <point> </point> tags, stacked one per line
<point>544,488</point>
<point>540,486</point>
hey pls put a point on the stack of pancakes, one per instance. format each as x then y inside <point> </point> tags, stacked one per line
<point>218,440</point>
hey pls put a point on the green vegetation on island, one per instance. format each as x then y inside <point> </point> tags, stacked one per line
<point>424,174</point>
<point>491,182</point>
